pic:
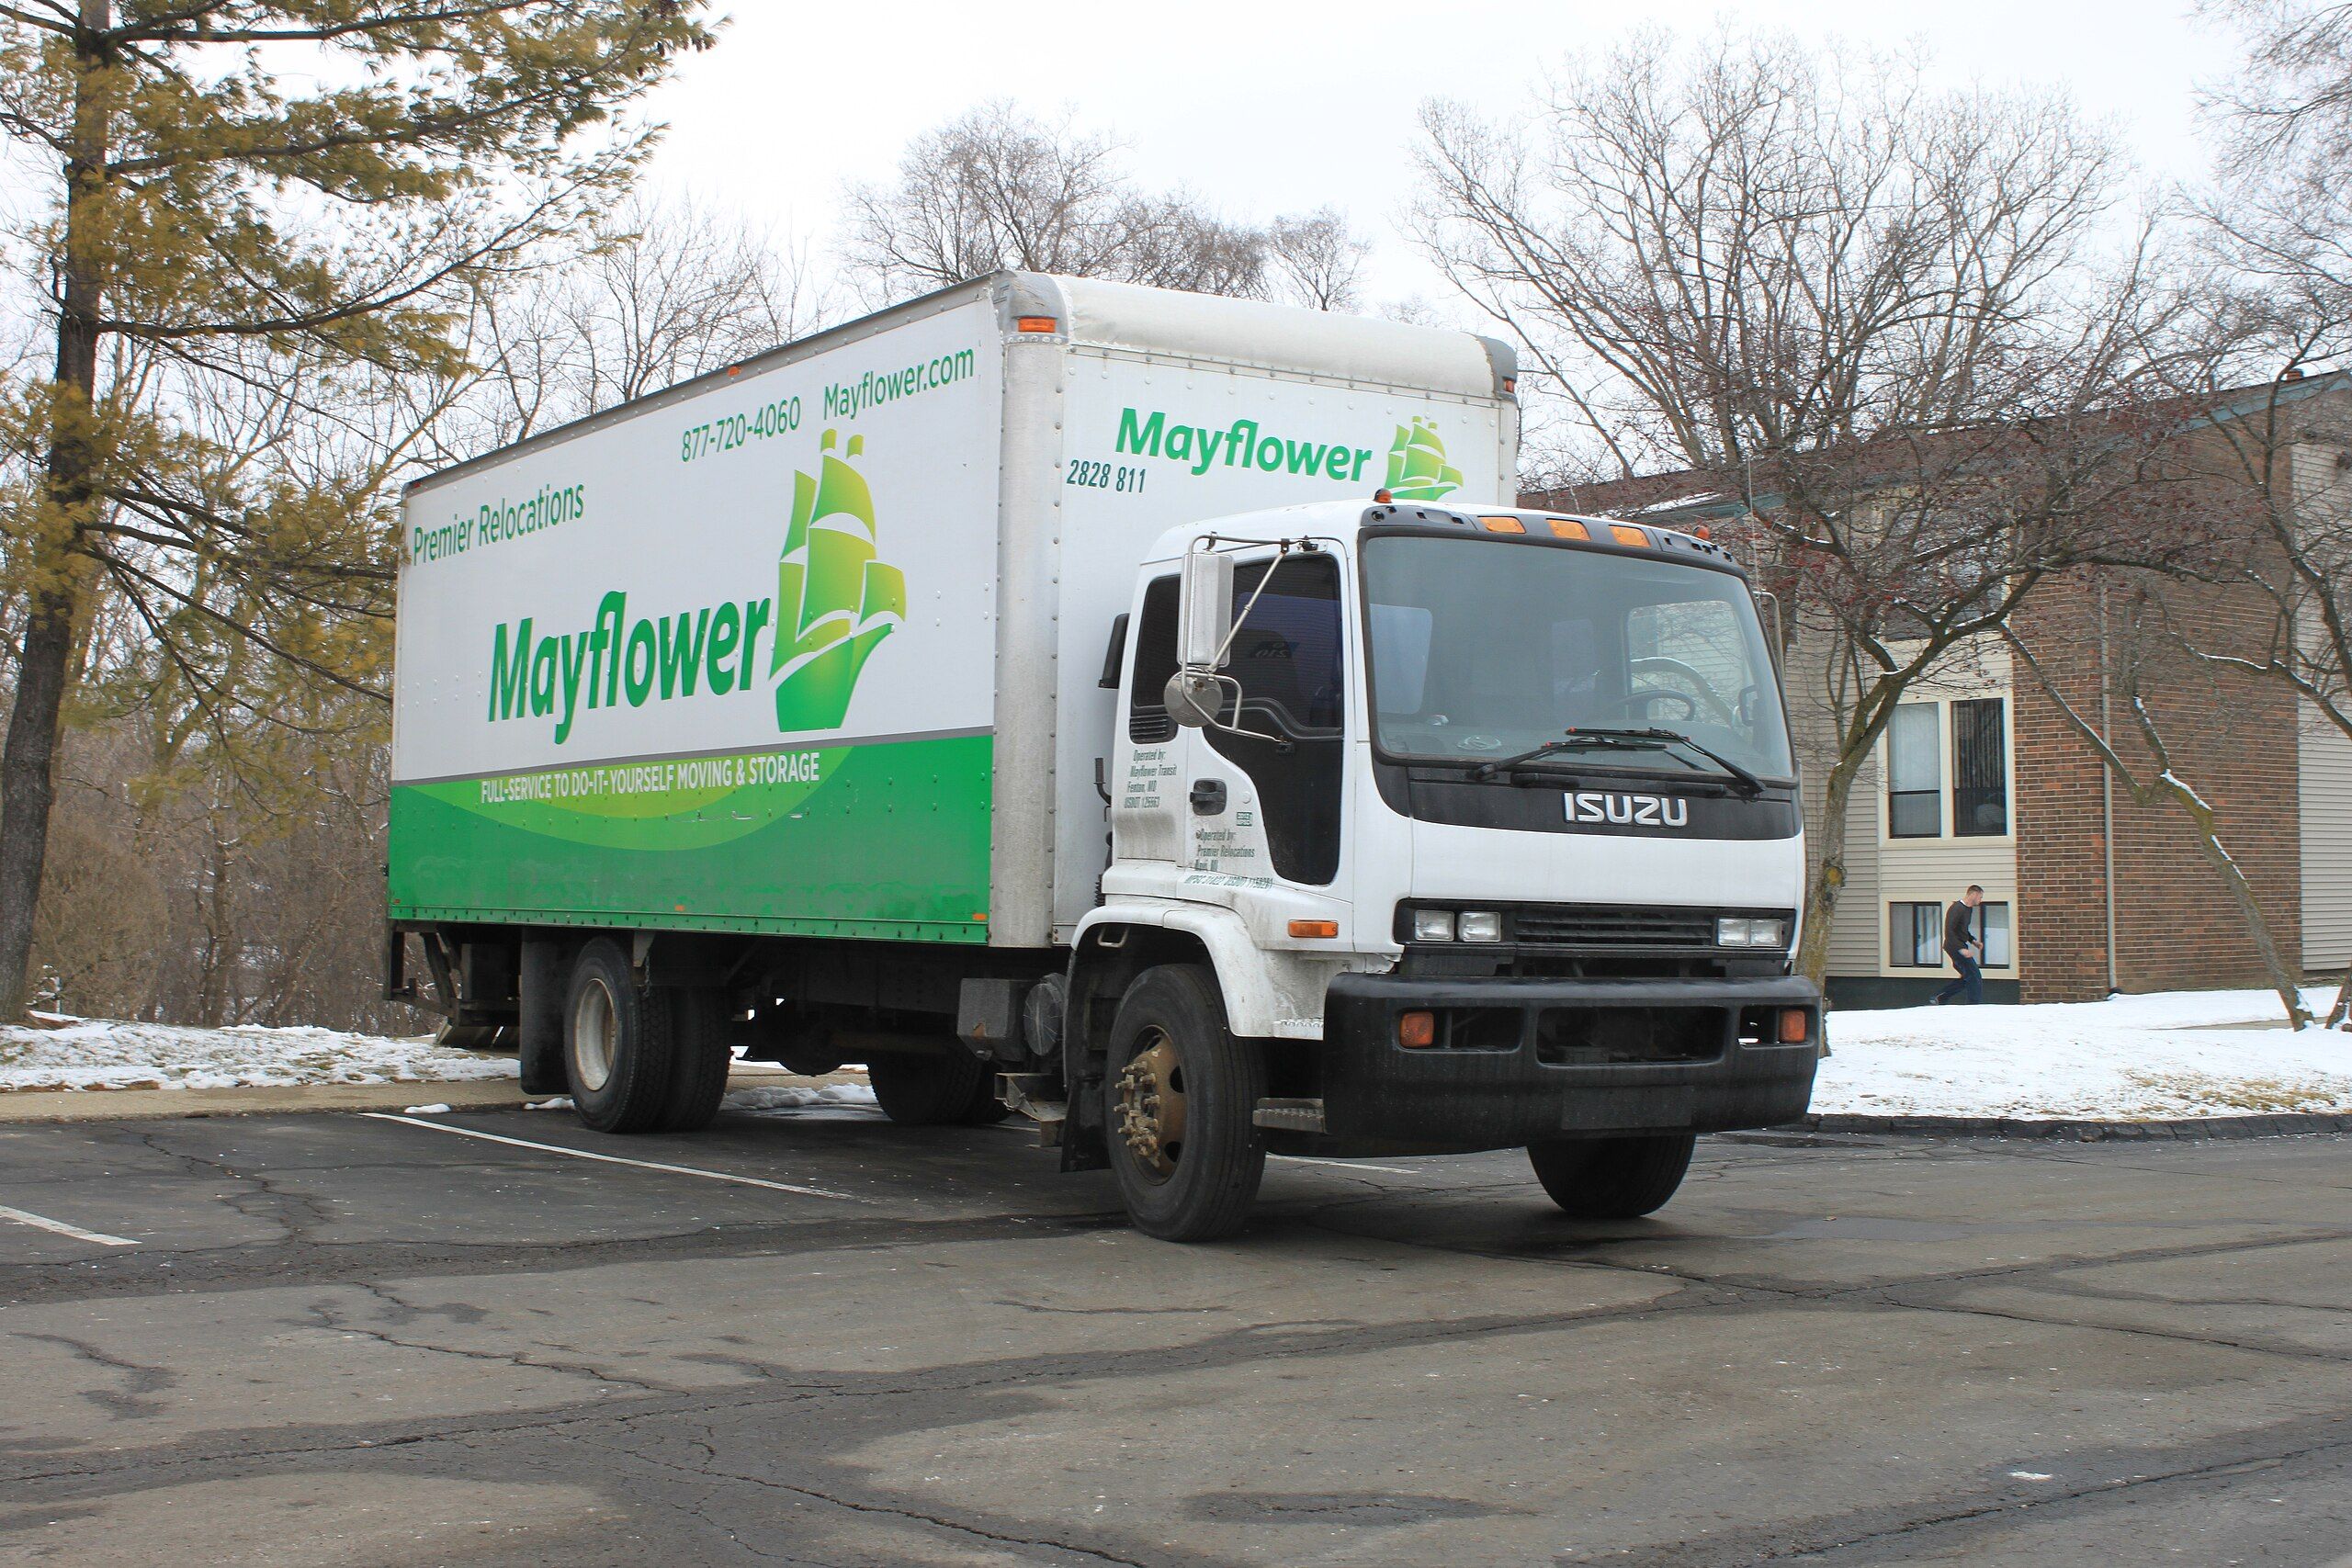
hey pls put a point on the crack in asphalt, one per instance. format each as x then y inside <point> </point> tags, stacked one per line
<point>712,1470</point>
<point>2326,1436</point>
<point>1238,1346</point>
<point>128,1402</point>
<point>324,1313</point>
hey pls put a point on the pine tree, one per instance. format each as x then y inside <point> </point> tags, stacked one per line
<point>312,182</point>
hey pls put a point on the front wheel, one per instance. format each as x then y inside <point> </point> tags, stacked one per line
<point>1612,1179</point>
<point>1178,1094</point>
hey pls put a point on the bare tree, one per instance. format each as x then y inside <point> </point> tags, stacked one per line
<point>997,188</point>
<point>663,289</point>
<point>1874,325</point>
<point>2278,233</point>
<point>2292,96</point>
<point>2130,644</point>
<point>1316,260</point>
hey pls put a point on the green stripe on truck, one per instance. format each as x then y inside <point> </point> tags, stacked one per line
<point>882,841</point>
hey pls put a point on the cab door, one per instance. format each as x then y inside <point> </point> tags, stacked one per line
<point>1152,755</point>
<point>1266,787</point>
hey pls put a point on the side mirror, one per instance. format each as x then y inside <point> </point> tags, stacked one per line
<point>1195,698</point>
<point>1204,610</point>
<point>1768,609</point>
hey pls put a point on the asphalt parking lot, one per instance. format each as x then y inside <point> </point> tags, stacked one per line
<point>338,1338</point>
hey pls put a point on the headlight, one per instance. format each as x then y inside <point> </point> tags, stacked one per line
<point>1433,925</point>
<point>1480,925</point>
<point>1743,932</point>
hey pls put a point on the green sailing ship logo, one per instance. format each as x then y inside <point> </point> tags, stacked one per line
<point>1417,466</point>
<point>836,599</point>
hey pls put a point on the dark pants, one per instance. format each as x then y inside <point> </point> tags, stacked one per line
<point>1971,981</point>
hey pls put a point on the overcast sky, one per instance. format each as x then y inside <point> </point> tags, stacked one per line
<point>1284,105</point>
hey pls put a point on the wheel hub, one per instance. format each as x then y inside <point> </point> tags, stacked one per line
<point>1151,1105</point>
<point>596,1028</point>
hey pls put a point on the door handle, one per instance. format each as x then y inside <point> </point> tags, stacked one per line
<point>1208,798</point>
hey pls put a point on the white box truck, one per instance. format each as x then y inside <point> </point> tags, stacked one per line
<point>1130,708</point>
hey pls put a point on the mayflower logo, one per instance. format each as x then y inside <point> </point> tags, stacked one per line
<point>838,600</point>
<point>1417,466</point>
<point>835,601</point>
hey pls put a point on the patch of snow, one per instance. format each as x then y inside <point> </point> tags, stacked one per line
<point>438,1108</point>
<point>836,1102</point>
<point>561,1102</point>
<point>2171,1055</point>
<point>96,1054</point>
<point>2029,1475</point>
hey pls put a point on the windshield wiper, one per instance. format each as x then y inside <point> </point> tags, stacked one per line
<point>1621,739</point>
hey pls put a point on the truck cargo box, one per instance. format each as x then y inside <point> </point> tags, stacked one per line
<point>811,645</point>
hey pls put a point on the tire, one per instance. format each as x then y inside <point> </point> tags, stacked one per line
<point>1612,1179</point>
<point>619,1042</point>
<point>699,1078</point>
<point>935,1091</point>
<point>1198,1185</point>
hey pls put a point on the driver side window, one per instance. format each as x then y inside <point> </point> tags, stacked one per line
<point>1693,654</point>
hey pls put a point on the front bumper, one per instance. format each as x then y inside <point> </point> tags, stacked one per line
<point>1528,1061</point>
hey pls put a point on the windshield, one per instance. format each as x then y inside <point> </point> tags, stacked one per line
<point>1483,649</point>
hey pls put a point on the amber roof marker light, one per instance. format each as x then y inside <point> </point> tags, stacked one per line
<point>1036,324</point>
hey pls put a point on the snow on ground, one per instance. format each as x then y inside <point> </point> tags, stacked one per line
<point>92,1054</point>
<point>2173,1055</point>
<point>2166,1056</point>
<point>831,1102</point>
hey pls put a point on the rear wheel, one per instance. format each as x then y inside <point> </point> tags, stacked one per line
<point>1612,1179</point>
<point>1178,1094</point>
<point>618,1043</point>
<point>699,1081</point>
<point>935,1090</point>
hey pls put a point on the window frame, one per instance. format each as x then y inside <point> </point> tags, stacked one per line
<point>1895,958</point>
<point>1947,794</point>
<point>1937,794</point>
<point>2008,779</point>
<point>1981,927</point>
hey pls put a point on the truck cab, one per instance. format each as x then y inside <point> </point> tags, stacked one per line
<point>1437,829</point>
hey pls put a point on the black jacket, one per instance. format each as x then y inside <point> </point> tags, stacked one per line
<point>1959,929</point>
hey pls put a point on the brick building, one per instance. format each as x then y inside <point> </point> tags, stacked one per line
<point>1980,778</point>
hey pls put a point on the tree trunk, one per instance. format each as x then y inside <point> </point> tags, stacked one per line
<point>1829,881</point>
<point>2257,927</point>
<point>29,762</point>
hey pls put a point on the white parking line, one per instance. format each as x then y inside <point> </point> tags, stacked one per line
<point>616,1159</point>
<point>1345,1164</point>
<point>62,1228</point>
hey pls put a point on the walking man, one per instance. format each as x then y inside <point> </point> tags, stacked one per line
<point>1962,948</point>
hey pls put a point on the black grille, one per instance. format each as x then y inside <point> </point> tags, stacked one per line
<point>1569,925</point>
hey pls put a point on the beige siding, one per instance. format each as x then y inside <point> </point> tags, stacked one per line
<point>2324,756</point>
<point>1858,936</point>
<point>2324,764</point>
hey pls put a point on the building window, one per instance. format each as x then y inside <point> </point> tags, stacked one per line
<point>1914,796</point>
<point>1915,936</point>
<point>1980,769</point>
<point>1993,931</point>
